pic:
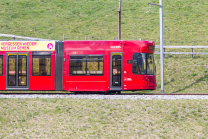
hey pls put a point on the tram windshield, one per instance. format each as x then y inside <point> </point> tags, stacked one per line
<point>143,63</point>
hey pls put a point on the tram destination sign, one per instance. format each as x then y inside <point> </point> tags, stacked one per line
<point>27,45</point>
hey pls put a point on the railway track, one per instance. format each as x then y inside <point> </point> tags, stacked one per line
<point>122,96</point>
<point>98,94</point>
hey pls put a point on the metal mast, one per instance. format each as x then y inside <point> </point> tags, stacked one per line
<point>119,21</point>
<point>161,47</point>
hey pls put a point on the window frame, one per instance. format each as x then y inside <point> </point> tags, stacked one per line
<point>146,63</point>
<point>40,55</point>
<point>86,60</point>
<point>1,57</point>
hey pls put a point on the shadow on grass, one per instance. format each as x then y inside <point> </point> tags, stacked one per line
<point>204,78</point>
<point>159,85</point>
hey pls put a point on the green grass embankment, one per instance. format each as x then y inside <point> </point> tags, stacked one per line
<point>183,74</point>
<point>84,118</point>
<point>185,23</point>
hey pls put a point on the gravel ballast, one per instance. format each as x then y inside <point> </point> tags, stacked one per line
<point>112,97</point>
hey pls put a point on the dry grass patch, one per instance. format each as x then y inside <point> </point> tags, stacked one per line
<point>84,118</point>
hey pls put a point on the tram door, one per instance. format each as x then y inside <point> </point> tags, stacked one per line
<point>116,71</point>
<point>17,71</point>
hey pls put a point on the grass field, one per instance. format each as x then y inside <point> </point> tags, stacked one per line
<point>84,118</point>
<point>183,74</point>
<point>185,23</point>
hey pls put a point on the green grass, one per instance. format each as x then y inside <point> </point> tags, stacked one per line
<point>84,118</point>
<point>183,74</point>
<point>185,23</point>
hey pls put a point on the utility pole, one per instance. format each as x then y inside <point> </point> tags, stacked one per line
<point>119,21</point>
<point>161,47</point>
<point>161,44</point>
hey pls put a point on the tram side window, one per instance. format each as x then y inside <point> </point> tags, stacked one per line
<point>1,65</point>
<point>41,65</point>
<point>77,65</point>
<point>151,64</point>
<point>86,65</point>
<point>143,64</point>
<point>139,63</point>
<point>95,65</point>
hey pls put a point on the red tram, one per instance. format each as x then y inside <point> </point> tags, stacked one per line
<point>104,66</point>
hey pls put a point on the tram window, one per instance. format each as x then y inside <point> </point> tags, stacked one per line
<point>77,65</point>
<point>139,63</point>
<point>41,65</point>
<point>86,65</point>
<point>151,64</point>
<point>78,57</point>
<point>95,65</point>
<point>1,65</point>
<point>143,64</point>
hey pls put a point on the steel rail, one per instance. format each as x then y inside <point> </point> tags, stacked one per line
<point>200,47</point>
<point>94,94</point>
<point>179,53</point>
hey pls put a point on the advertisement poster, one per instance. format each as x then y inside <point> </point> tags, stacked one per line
<point>27,45</point>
